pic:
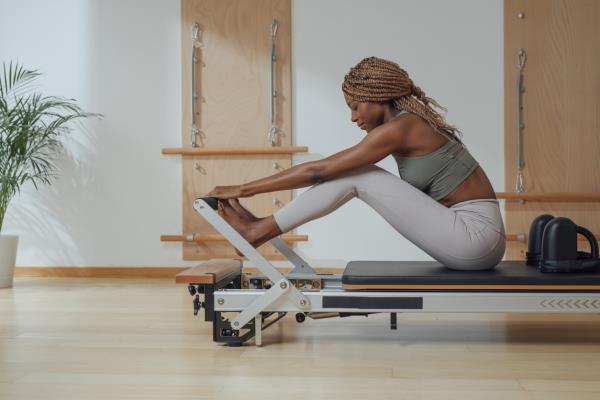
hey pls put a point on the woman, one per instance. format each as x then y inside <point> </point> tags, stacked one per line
<point>442,202</point>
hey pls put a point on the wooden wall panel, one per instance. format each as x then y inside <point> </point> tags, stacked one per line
<point>561,109</point>
<point>233,110</point>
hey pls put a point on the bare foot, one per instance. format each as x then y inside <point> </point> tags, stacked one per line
<point>235,204</point>
<point>256,231</point>
<point>240,223</point>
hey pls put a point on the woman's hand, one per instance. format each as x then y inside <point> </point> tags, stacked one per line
<point>226,192</point>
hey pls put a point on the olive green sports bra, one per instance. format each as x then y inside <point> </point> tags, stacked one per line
<point>440,172</point>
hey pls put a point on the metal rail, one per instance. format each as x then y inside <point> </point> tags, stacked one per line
<point>519,124</point>
<point>273,129</point>
<point>196,32</point>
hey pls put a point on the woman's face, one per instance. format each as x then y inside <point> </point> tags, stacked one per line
<point>366,115</point>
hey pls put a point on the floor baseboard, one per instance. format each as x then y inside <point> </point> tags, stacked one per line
<point>124,272</point>
<point>99,272</point>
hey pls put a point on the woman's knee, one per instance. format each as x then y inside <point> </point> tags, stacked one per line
<point>356,179</point>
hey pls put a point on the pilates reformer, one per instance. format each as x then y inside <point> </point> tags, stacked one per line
<point>259,299</point>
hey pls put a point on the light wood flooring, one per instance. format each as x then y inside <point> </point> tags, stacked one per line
<point>99,338</point>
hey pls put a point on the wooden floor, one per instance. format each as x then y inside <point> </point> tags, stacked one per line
<point>86,338</point>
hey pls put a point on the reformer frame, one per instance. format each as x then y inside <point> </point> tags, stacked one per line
<point>259,300</point>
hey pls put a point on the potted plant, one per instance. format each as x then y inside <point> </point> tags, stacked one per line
<point>30,128</point>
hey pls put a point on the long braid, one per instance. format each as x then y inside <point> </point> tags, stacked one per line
<point>377,80</point>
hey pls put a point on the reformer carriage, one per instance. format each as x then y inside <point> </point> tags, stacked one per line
<point>258,300</point>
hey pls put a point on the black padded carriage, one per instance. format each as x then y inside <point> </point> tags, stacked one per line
<point>431,275</point>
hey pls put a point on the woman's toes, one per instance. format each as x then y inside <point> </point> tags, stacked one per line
<point>239,223</point>
<point>237,207</point>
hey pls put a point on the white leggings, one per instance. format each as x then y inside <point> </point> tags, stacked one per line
<point>466,236</point>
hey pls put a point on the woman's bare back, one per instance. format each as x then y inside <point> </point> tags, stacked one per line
<point>421,139</point>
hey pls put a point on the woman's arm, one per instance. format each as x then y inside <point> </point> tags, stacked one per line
<point>378,144</point>
<point>298,176</point>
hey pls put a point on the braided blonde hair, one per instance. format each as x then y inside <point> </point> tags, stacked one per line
<point>377,80</point>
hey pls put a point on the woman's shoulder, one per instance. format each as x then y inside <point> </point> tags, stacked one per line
<point>419,138</point>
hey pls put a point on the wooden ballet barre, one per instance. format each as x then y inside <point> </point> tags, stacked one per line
<point>550,196</point>
<point>202,151</point>
<point>522,237</point>
<point>220,238</point>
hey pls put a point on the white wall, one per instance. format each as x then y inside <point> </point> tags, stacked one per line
<point>114,200</point>
<point>117,194</point>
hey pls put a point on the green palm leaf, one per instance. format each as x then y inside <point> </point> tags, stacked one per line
<point>30,128</point>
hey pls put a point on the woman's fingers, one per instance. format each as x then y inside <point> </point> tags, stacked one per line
<point>225,192</point>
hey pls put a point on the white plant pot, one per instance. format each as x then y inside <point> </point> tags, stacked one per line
<point>8,257</point>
